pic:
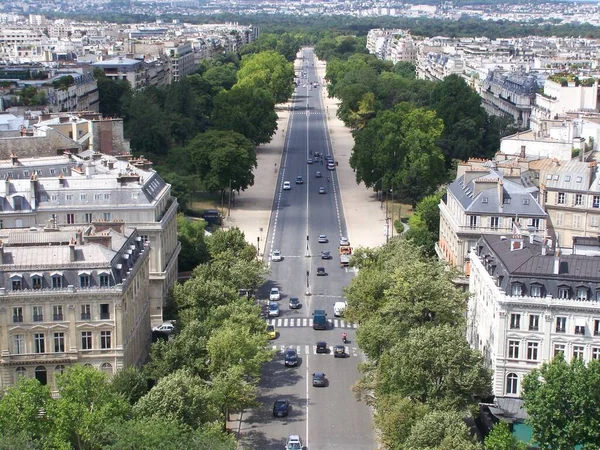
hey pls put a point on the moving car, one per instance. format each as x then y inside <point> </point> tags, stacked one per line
<point>321,271</point>
<point>323,239</point>
<point>287,186</point>
<point>274,295</point>
<point>318,379</point>
<point>322,347</point>
<point>165,327</point>
<point>339,308</point>
<point>299,180</point>
<point>310,161</point>
<point>271,331</point>
<point>318,175</point>
<point>294,303</point>
<point>291,357</point>
<point>326,255</point>
<point>273,310</point>
<point>330,166</point>
<point>339,351</point>
<point>293,442</point>
<point>344,241</point>
<point>322,190</point>
<point>276,255</point>
<point>281,408</point>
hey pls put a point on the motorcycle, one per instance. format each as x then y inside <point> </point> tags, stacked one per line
<point>344,338</point>
<point>328,179</point>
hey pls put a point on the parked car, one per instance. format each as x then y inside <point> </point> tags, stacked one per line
<point>275,295</point>
<point>339,351</point>
<point>276,255</point>
<point>281,408</point>
<point>273,310</point>
<point>165,327</point>
<point>323,239</point>
<point>293,442</point>
<point>287,186</point>
<point>322,347</point>
<point>319,379</point>
<point>299,180</point>
<point>294,303</point>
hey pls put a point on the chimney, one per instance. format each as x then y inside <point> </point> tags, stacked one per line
<point>522,154</point>
<point>111,165</point>
<point>516,243</point>
<point>14,159</point>
<point>72,253</point>
<point>79,236</point>
<point>500,187</point>
<point>1,252</point>
<point>556,270</point>
<point>33,187</point>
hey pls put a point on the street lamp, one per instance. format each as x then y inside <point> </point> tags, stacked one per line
<point>307,254</point>
<point>307,283</point>
<point>258,247</point>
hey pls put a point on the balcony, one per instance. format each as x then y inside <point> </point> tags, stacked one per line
<point>86,316</point>
<point>17,319</point>
<point>104,316</point>
<point>38,318</point>
<point>57,317</point>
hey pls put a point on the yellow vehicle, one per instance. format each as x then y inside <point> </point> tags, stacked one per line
<point>271,331</point>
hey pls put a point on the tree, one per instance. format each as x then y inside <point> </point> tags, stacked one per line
<point>248,111</point>
<point>193,246</point>
<point>113,94</point>
<point>435,366</point>
<point>441,430</point>
<point>131,383</point>
<point>394,416</point>
<point>181,397</point>
<point>424,224</point>
<point>563,403</point>
<point>21,410</point>
<point>220,77</point>
<point>500,438</point>
<point>86,407</point>
<point>222,159</point>
<point>147,126</point>
<point>268,70</point>
<point>232,240</point>
<point>19,439</point>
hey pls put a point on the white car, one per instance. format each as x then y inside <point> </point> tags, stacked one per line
<point>344,241</point>
<point>293,442</point>
<point>166,327</point>
<point>273,310</point>
<point>287,185</point>
<point>274,294</point>
<point>276,256</point>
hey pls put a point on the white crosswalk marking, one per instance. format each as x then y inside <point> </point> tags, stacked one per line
<point>307,349</point>
<point>279,322</point>
<point>342,324</point>
<point>285,322</point>
<point>304,322</point>
<point>310,322</point>
<point>354,325</point>
<point>336,323</point>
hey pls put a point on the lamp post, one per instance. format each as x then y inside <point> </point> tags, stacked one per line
<point>258,247</point>
<point>307,254</point>
<point>307,283</point>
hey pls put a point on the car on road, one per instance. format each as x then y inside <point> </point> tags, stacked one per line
<point>294,303</point>
<point>310,161</point>
<point>330,166</point>
<point>339,351</point>
<point>276,256</point>
<point>165,327</point>
<point>323,239</point>
<point>271,331</point>
<point>344,241</point>
<point>299,180</point>
<point>318,174</point>
<point>291,357</point>
<point>322,190</point>
<point>326,254</point>
<point>321,271</point>
<point>319,379</point>
<point>322,347</point>
<point>273,310</point>
<point>287,186</point>
<point>281,408</point>
<point>293,442</point>
<point>275,295</point>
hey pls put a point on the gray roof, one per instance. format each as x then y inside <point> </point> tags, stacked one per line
<point>572,176</point>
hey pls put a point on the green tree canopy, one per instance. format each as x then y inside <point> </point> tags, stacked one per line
<point>193,246</point>
<point>500,438</point>
<point>268,70</point>
<point>441,430</point>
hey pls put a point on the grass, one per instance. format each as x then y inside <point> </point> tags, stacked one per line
<point>401,210</point>
<point>207,200</point>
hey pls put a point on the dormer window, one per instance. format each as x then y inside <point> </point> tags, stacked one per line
<point>563,292</point>
<point>18,203</point>
<point>507,200</point>
<point>535,290</point>
<point>582,293</point>
<point>526,201</point>
<point>16,282</point>
<point>484,200</point>
<point>517,289</point>
<point>104,280</point>
<point>578,179</point>
<point>567,178</point>
<point>84,280</point>
<point>57,281</point>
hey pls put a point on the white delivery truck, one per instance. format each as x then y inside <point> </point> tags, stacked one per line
<point>338,308</point>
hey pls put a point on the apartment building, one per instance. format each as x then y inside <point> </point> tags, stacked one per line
<point>181,57</point>
<point>72,295</point>
<point>437,66</point>
<point>487,197</point>
<point>530,302</point>
<point>77,190</point>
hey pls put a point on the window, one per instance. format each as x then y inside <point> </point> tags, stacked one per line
<point>513,349</point>
<point>560,218</point>
<point>596,327</point>
<point>106,196</point>
<point>494,222</point>
<point>473,221</point>
<point>21,372</point>
<point>135,195</point>
<point>52,171</point>
<point>595,352</point>
<point>97,196</point>
<point>545,196</point>
<point>596,201</point>
<point>578,351</point>
<point>515,321</point>
<point>59,342</point>
<point>54,197</point>
<point>535,290</point>
<point>84,280</point>
<point>69,197</point>
<point>594,221</point>
<point>38,314</point>
<point>104,311</point>
<point>43,198</point>
<point>507,200</point>
<point>561,324</point>
<point>106,216</point>
<point>580,329</point>
<point>105,339</point>
<point>17,314</point>
<point>512,383</point>
<point>57,312</point>
<point>534,322</point>
<point>526,201</point>
<point>26,173</point>
<point>567,178</point>
<point>578,199</point>
<point>36,282</point>
<point>559,349</point>
<point>106,368</point>
<point>582,293</point>
<point>89,217</point>
<point>561,197</point>
<point>517,289</point>
<point>532,351</point>
<point>535,223</point>
<point>86,340</point>
<point>57,281</point>
<point>144,238</point>
<point>103,280</point>
<point>59,370</point>
<point>70,219</point>
<point>83,197</point>
<point>563,292</point>
<point>17,284</point>
<point>18,223</point>
<point>86,311</point>
<point>576,221</point>
<point>18,203</point>
<point>18,344</point>
<point>39,345</point>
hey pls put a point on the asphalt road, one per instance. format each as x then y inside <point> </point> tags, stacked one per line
<point>328,417</point>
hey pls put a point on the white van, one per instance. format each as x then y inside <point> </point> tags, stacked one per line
<point>338,308</point>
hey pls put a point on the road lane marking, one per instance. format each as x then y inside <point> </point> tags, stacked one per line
<point>304,322</point>
<point>278,322</point>
<point>307,349</point>
<point>285,322</point>
<point>310,322</point>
